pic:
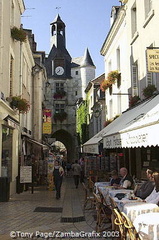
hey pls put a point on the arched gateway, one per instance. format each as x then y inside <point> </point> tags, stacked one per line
<point>68,140</point>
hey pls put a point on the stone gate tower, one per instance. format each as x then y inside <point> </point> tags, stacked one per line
<point>68,78</point>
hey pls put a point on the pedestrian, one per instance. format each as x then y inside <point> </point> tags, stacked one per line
<point>58,173</point>
<point>82,164</point>
<point>76,169</point>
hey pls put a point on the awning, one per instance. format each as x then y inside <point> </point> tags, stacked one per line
<point>45,147</point>
<point>92,145</point>
<point>136,127</point>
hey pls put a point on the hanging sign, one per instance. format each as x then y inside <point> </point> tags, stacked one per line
<point>153,60</point>
<point>47,125</point>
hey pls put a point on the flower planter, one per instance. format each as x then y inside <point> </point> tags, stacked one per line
<point>111,79</point>
<point>20,104</point>
<point>133,100</point>
<point>18,34</point>
<point>149,90</point>
<point>59,94</point>
<point>60,116</point>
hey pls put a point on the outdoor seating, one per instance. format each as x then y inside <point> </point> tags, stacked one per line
<point>130,229</point>
<point>103,214</point>
<point>89,198</point>
<point>119,223</point>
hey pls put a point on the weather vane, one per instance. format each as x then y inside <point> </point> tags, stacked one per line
<point>58,8</point>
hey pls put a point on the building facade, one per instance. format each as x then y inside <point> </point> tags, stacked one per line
<point>68,79</point>
<point>128,141</point>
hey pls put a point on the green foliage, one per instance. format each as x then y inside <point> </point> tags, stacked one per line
<point>60,116</point>
<point>20,103</point>
<point>18,34</point>
<point>82,126</point>
<point>149,90</point>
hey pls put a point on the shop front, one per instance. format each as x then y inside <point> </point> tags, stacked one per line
<point>135,131</point>
<point>9,142</point>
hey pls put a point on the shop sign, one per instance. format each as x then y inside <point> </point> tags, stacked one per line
<point>25,174</point>
<point>153,60</point>
<point>47,125</point>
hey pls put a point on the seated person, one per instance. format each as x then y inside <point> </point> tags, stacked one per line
<point>114,178</point>
<point>154,196</point>
<point>147,187</point>
<point>126,181</point>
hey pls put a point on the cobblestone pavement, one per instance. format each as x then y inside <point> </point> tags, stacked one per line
<point>17,217</point>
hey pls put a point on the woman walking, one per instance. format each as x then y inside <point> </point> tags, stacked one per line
<point>58,172</point>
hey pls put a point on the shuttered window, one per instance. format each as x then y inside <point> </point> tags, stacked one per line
<point>148,7</point>
<point>135,79</point>
<point>11,76</point>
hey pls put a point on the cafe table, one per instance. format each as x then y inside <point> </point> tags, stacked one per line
<point>101,184</point>
<point>121,203</point>
<point>147,225</point>
<point>133,209</point>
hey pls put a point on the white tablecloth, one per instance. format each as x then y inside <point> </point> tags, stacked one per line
<point>147,225</point>
<point>121,203</point>
<point>101,185</point>
<point>132,210</point>
<point>113,192</point>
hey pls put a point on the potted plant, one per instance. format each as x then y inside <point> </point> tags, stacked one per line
<point>20,103</point>
<point>106,123</point>
<point>105,84</point>
<point>18,34</point>
<point>149,90</point>
<point>59,94</point>
<point>133,100</point>
<point>113,76</point>
<point>60,116</point>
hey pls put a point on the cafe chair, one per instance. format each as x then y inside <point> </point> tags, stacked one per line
<point>91,185</point>
<point>89,198</point>
<point>103,214</point>
<point>119,224</point>
<point>130,229</point>
<point>113,204</point>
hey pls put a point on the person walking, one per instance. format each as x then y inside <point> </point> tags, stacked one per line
<point>76,169</point>
<point>58,173</point>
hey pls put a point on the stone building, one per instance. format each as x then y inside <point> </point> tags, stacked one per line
<point>68,79</point>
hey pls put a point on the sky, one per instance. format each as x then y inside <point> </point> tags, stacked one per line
<point>87,25</point>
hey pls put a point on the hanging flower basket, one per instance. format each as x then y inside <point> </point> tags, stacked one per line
<point>60,116</point>
<point>18,34</point>
<point>20,103</point>
<point>59,94</point>
<point>149,90</point>
<point>105,84</point>
<point>133,100</point>
<point>113,76</point>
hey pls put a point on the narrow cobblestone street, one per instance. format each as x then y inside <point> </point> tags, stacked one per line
<point>18,216</point>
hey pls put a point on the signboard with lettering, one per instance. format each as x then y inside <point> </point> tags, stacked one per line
<point>26,174</point>
<point>153,60</point>
<point>47,125</point>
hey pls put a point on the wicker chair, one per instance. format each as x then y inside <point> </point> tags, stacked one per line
<point>89,198</point>
<point>119,223</point>
<point>103,214</point>
<point>130,229</point>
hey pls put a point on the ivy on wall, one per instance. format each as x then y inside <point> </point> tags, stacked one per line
<point>82,126</point>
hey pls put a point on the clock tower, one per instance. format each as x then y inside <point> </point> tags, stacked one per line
<point>58,63</point>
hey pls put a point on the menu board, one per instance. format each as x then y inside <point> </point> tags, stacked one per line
<point>26,174</point>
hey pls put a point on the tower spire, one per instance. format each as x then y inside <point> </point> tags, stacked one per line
<point>87,60</point>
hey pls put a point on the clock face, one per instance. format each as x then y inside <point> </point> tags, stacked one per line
<point>59,70</point>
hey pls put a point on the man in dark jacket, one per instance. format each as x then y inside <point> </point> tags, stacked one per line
<point>147,187</point>
<point>127,180</point>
